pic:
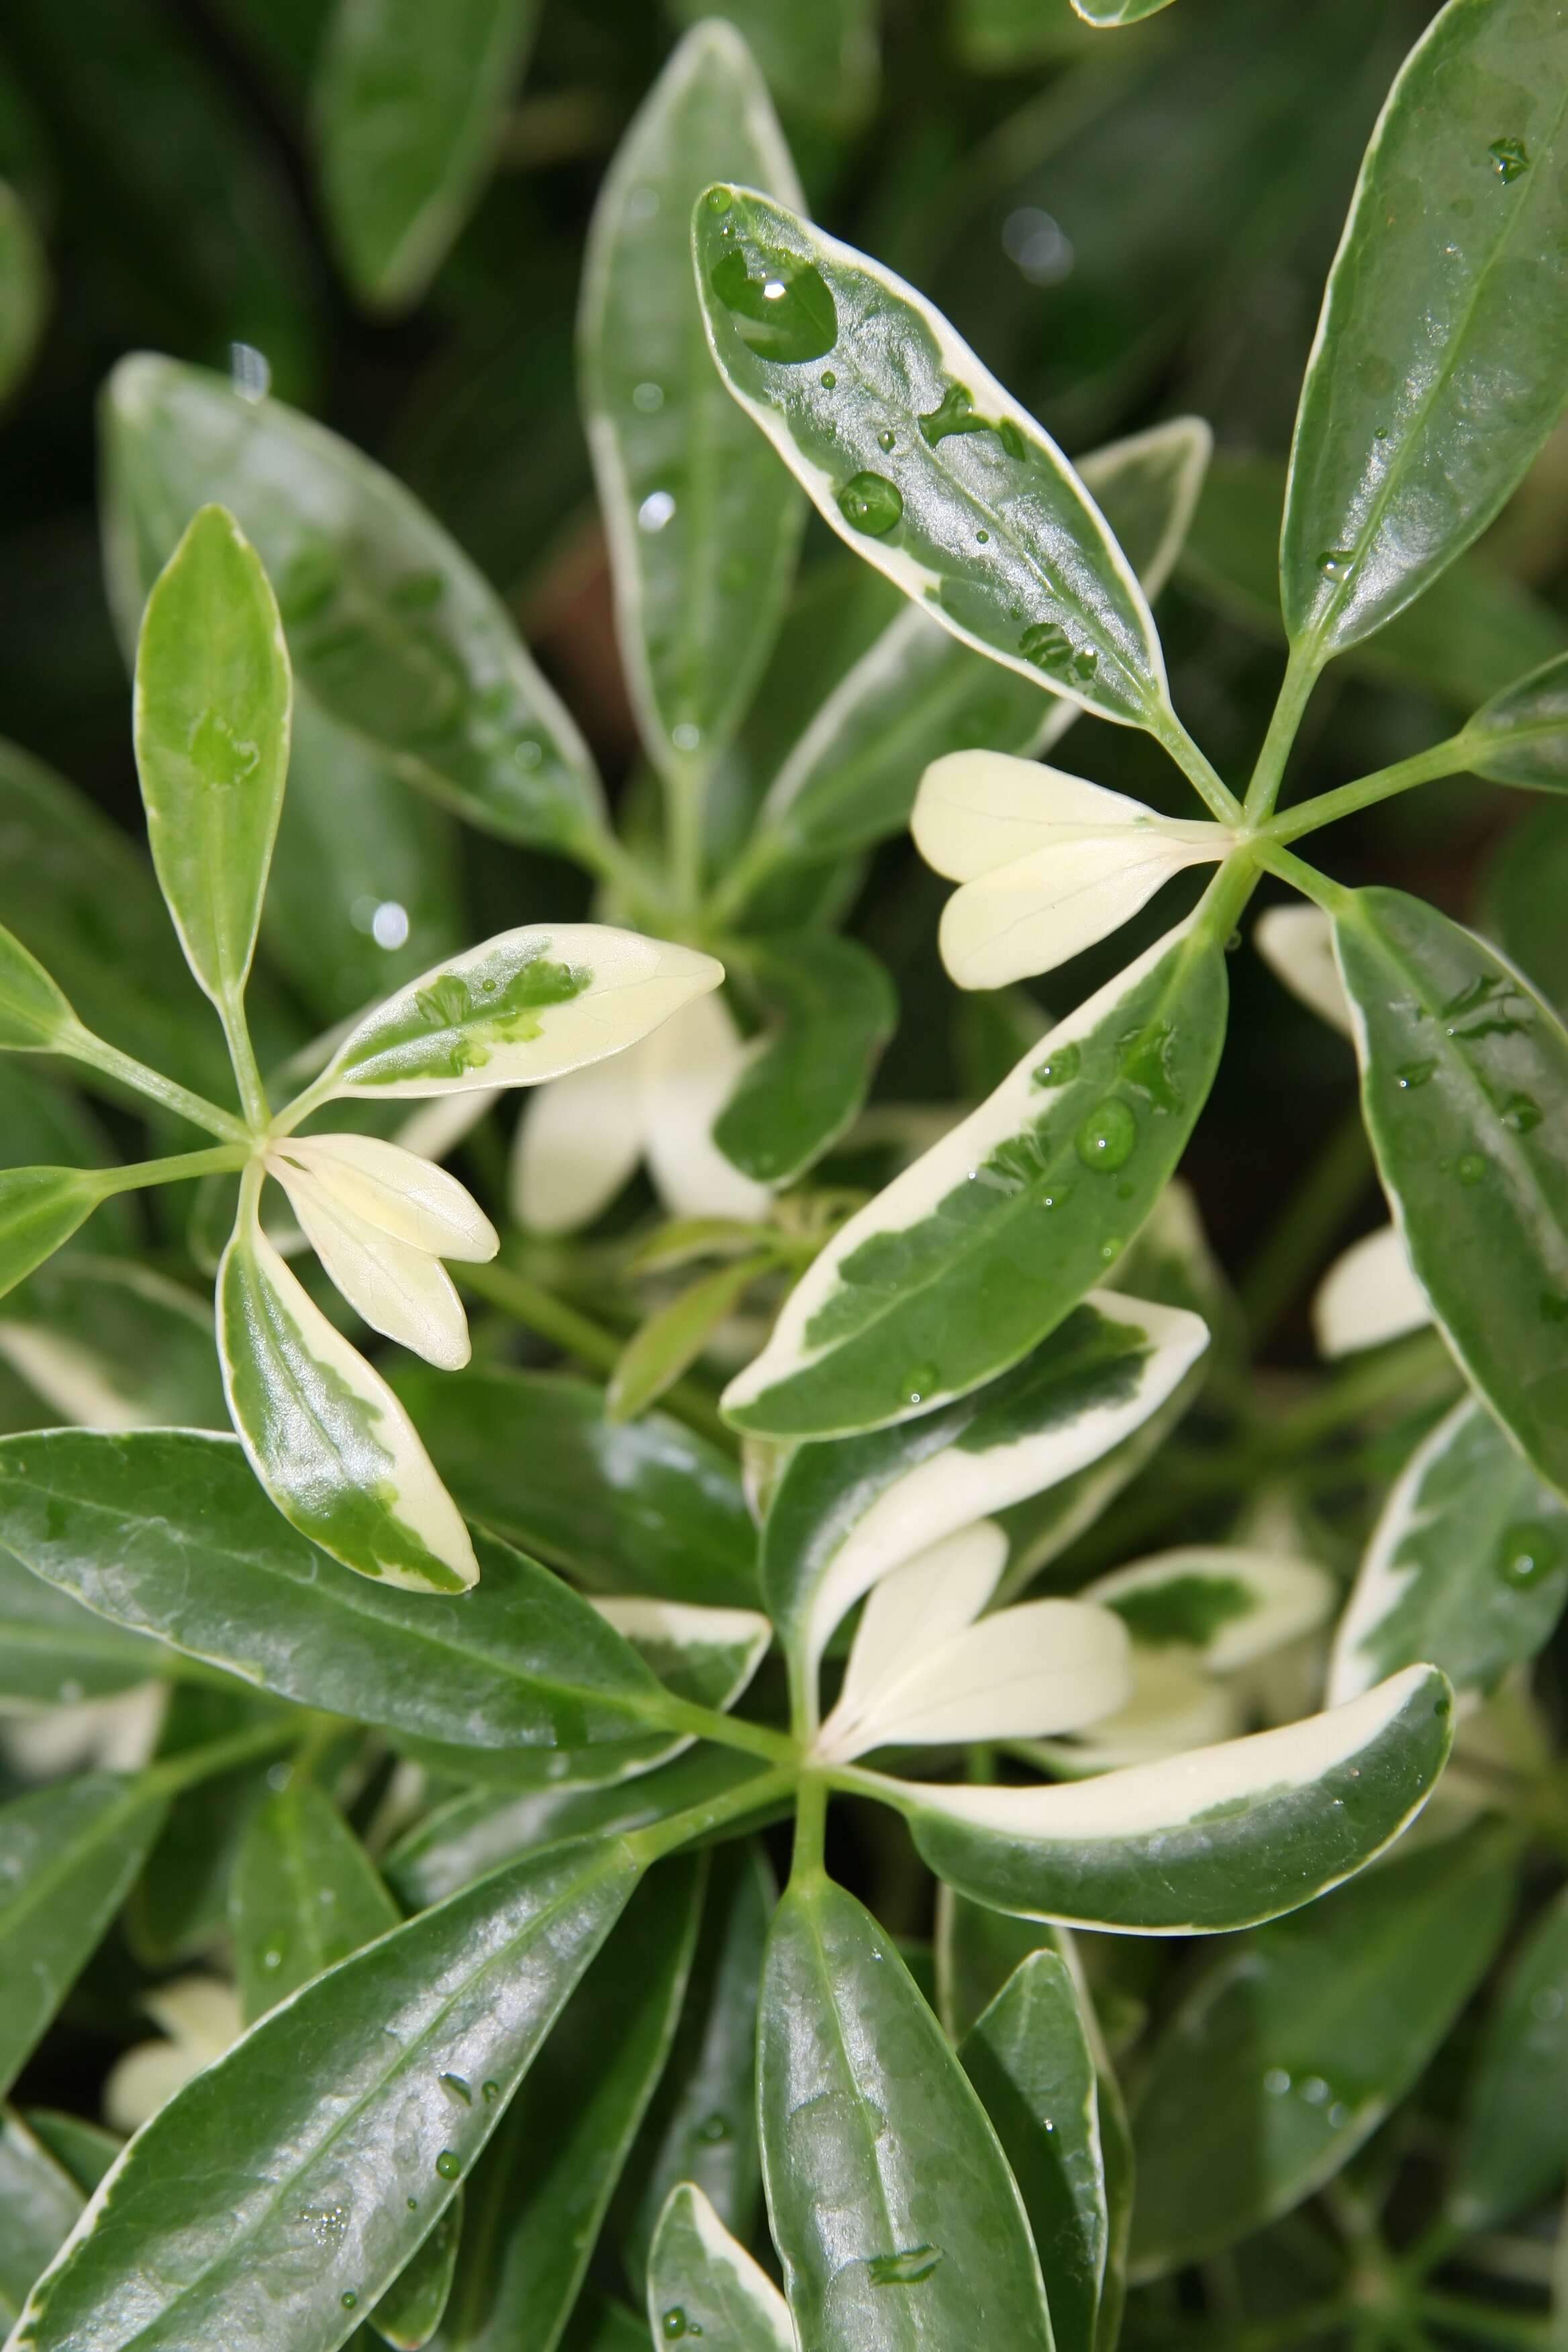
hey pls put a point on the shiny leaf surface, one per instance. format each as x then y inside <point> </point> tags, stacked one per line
<point>830,1010</point>
<point>303,1895</point>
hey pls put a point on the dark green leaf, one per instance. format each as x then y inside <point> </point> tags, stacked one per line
<point>638,1507</point>
<point>1443,308</point>
<point>701,2281</point>
<point>703,522</point>
<point>179,1906</point>
<point>67,1856</point>
<point>1521,736</point>
<point>971,1256</point>
<point>1513,2145</point>
<point>411,104</point>
<point>391,630</point>
<point>1294,2044</point>
<point>410,2311</point>
<point>831,1009</point>
<point>536,2203</point>
<point>83,2150</point>
<point>53,1652</point>
<point>892,2207</point>
<point>1465,1093</point>
<point>38,2207</point>
<point>113,1345</point>
<point>303,1897</point>
<point>377,2073</point>
<point>24,290</point>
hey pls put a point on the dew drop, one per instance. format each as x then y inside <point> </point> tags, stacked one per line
<point>905,2268</point>
<point>1522,1112</point>
<point>887,438</point>
<point>1106,1136</point>
<point>350,2300</point>
<point>389,925</point>
<point>489,2093</point>
<point>919,1383</point>
<point>1469,1168</point>
<point>414,2204</point>
<point>1528,1552</point>
<point>447,2164</point>
<point>272,1958</point>
<point>647,398</point>
<point>1411,1075</point>
<point>717,200</point>
<point>249,372</point>
<point>1315,2091</point>
<point>1511,158</point>
<point>1057,1067</point>
<point>869,502</point>
<point>1047,646</point>
<point>984,538</point>
<point>787,315</point>
<point>673,2323</point>
<point>458,2088</point>
<point>828,379</point>
<point>1337,563</point>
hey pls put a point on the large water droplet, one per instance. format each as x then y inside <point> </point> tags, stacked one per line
<point>1047,645</point>
<point>1337,563</point>
<point>448,2165</point>
<point>1511,158</point>
<point>1522,1112</point>
<point>1107,1135</point>
<point>869,502</point>
<point>787,315</point>
<point>1060,1065</point>
<point>905,2268</point>
<point>1527,1552</point>
<point>458,2088</point>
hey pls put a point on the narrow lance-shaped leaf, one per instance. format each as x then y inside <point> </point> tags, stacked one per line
<point>980,1249</point>
<point>67,1856</point>
<point>819,56</point>
<point>832,1009</point>
<point>40,1208</point>
<point>119,1522</point>
<point>1437,370</point>
<point>1465,1092</point>
<point>891,2203</point>
<point>703,523</point>
<point>411,2310</point>
<point>39,2204</point>
<point>54,1651</point>
<point>1513,2142</point>
<point>1521,736</point>
<point>411,103</point>
<point>537,2202</point>
<point>303,1895</point>
<point>917,456</point>
<point>701,2283</point>
<point>1293,2044</point>
<point>325,1436</point>
<point>376,2072</point>
<point>1467,1565</point>
<point>1213,1839</point>
<point>23,289</point>
<point>844,1515</point>
<point>676,1334</point>
<point>1028,2057</point>
<point>212,718</point>
<point>391,629</point>
<point>525,1006</point>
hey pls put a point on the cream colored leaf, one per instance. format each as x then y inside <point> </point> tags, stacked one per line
<point>577,1143</point>
<point>390,1186</point>
<point>1368,1294</point>
<point>1296,943</point>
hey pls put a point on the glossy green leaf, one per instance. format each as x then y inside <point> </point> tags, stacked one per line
<point>1294,2044</point>
<point>1111,13</point>
<point>211,743</point>
<point>1463,639</point>
<point>528,1004</point>
<point>38,2207</point>
<point>916,455</point>
<point>323,1432</point>
<point>636,1506</point>
<point>39,1208</point>
<point>391,629</point>
<point>44,1122</point>
<point>35,1016</point>
<point>53,1652</point>
<point>676,1335</point>
<point>1028,2057</point>
<point>976,1951</point>
<point>1468,1566</point>
<point>1437,371</point>
<point>1521,736</point>
<point>700,2282</point>
<point>411,103</point>
<point>830,1009</point>
<point>374,2073</point>
<point>303,1895</point>
<point>178,1910</point>
<point>411,2310</point>
<point>112,1344</point>
<point>1465,1093</point>
<point>520,1662</point>
<point>83,2150</point>
<point>892,2208</point>
<point>67,1856</point>
<point>536,2204</point>
<point>480,1828</point>
<point>703,523</point>
<point>1522,900</point>
<point>24,290</point>
<point>1513,2142</point>
<point>983,1246</point>
<point>701,2127</point>
<point>83,899</point>
<point>1213,1839</point>
<point>819,55</point>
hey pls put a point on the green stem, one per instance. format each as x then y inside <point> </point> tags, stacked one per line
<point>174,1774</point>
<point>220,1161</point>
<point>1226,898</point>
<point>1313,1216</point>
<point>685,795</point>
<point>1333,899</point>
<point>1445,759</point>
<point>810,1827</point>
<point>1493,2326</point>
<point>247,1073</point>
<point>1300,677</point>
<point>661,1838</point>
<point>538,1310</point>
<point>727,1731</point>
<point>1200,772</point>
<point>99,1054</point>
<point>645,896</point>
<point>761,858</point>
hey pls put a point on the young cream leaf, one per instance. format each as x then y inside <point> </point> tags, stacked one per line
<point>1369,1294</point>
<point>700,2276</point>
<point>1217,1838</point>
<point>1173,1704</point>
<point>577,1143</point>
<point>398,1289</point>
<point>1050,865</point>
<point>1226,1606</point>
<point>528,1004</point>
<point>211,721</point>
<point>690,1070</point>
<point>684,482</point>
<point>392,1188</point>
<point>917,1609</point>
<point>325,1436</point>
<point>886,1323</point>
<point>1296,943</point>
<point>917,456</point>
<point>198,2018</point>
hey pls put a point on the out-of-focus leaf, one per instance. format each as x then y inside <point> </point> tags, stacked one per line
<point>39,2203</point>
<point>1521,736</point>
<point>178,1909</point>
<point>819,55</point>
<point>83,2150</point>
<point>1513,2144</point>
<point>832,1010</point>
<point>40,1208</point>
<point>303,1895</point>
<point>674,1336</point>
<point>23,289</point>
<point>411,102</point>
<point>110,1344</point>
<point>53,1652</point>
<point>1525,891</point>
<point>1295,2042</point>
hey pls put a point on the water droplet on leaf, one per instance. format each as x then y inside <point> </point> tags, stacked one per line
<point>1337,563</point>
<point>1527,1552</point>
<point>787,316</point>
<point>1511,158</point>
<point>1057,1067</point>
<point>447,2164</point>
<point>869,502</point>
<point>906,2268</point>
<point>1411,1075</point>
<point>1107,1135</point>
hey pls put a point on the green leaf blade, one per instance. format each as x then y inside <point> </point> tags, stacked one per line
<point>38,2207</point>
<point>1513,2148</point>
<point>701,2283</point>
<point>40,1208</point>
<point>833,1011</point>
<point>303,1895</point>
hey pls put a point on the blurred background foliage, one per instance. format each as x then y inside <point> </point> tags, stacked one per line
<point>380,207</point>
